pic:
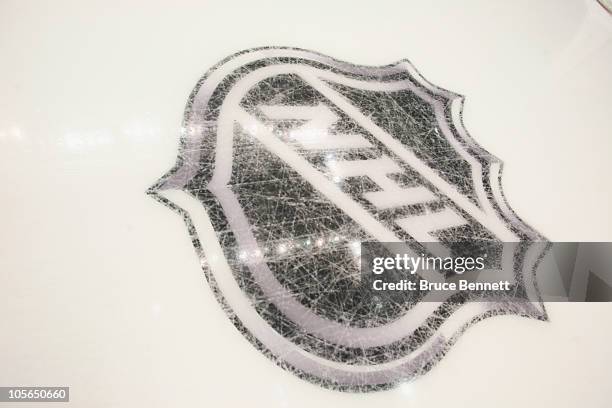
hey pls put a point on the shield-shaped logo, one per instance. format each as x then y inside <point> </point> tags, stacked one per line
<point>288,161</point>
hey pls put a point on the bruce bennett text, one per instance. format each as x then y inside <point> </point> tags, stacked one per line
<point>424,285</point>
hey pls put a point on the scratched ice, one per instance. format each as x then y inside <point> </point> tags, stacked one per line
<point>292,159</point>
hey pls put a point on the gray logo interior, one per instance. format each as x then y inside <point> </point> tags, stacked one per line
<point>288,161</point>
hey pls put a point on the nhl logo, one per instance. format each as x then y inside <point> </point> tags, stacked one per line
<point>288,161</point>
